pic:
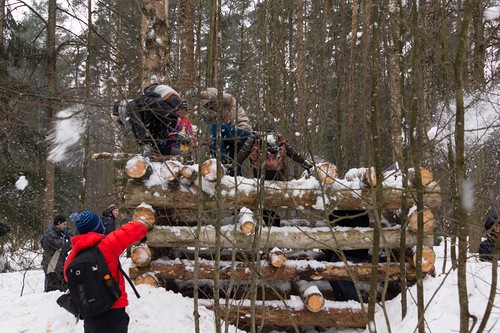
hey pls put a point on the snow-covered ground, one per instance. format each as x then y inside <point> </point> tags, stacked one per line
<point>25,308</point>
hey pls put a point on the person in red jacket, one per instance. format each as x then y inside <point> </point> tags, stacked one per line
<point>91,230</point>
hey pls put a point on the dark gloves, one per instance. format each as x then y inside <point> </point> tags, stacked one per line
<point>229,169</point>
<point>184,139</point>
<point>308,164</point>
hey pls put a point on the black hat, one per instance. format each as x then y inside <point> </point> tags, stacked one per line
<point>59,219</point>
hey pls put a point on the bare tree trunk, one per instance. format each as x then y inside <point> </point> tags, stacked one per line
<point>463,233</point>
<point>396,102</point>
<point>86,96</point>
<point>377,158</point>
<point>213,47</point>
<point>186,33</point>
<point>2,17</point>
<point>301,103</point>
<point>155,41</point>
<point>51,107</point>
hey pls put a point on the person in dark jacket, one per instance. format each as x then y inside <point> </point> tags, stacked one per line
<point>4,229</point>
<point>487,247</point>
<point>267,146</point>
<point>56,245</point>
<point>109,217</point>
<point>265,143</point>
<point>152,118</point>
<point>90,231</point>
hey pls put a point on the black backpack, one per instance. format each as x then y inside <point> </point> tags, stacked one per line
<point>93,289</point>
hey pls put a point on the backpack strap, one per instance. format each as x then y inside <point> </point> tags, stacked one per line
<point>129,281</point>
<point>123,272</point>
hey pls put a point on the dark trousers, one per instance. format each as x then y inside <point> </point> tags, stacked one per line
<point>229,134</point>
<point>111,321</point>
<point>55,281</point>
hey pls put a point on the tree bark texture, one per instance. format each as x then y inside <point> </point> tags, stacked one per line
<point>277,195</point>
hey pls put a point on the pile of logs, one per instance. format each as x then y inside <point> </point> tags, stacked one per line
<point>180,252</point>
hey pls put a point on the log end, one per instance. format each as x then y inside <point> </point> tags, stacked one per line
<point>247,228</point>
<point>428,219</point>
<point>277,258</point>
<point>146,278</point>
<point>141,256</point>
<point>170,170</point>
<point>136,167</point>
<point>315,302</point>
<point>188,172</point>
<point>209,170</point>
<point>326,172</point>
<point>144,213</point>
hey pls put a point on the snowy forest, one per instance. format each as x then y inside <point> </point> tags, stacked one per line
<point>356,83</point>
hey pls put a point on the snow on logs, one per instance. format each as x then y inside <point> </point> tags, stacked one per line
<point>171,185</point>
<point>184,270</point>
<point>334,314</point>
<point>284,238</point>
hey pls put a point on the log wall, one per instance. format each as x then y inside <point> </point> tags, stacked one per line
<point>248,247</point>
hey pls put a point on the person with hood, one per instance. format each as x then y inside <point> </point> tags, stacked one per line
<point>152,118</point>
<point>56,245</point>
<point>487,247</point>
<point>234,129</point>
<point>109,217</point>
<point>90,231</point>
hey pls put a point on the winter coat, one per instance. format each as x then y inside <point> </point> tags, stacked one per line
<point>486,249</point>
<point>4,229</point>
<point>152,115</point>
<point>112,246</point>
<point>276,160</point>
<point>108,220</point>
<point>55,245</point>
<point>232,113</point>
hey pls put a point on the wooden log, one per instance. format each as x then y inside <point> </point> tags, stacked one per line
<point>294,269</point>
<point>210,171</point>
<point>246,221</point>
<point>188,172</point>
<point>169,170</point>
<point>127,156</point>
<point>428,258</point>
<point>301,193</point>
<point>226,254</point>
<point>138,167</point>
<point>426,175</point>
<point>311,295</point>
<point>146,278</point>
<point>141,255</point>
<point>366,176</point>
<point>275,313</point>
<point>144,213</point>
<point>428,219</point>
<point>300,239</point>
<point>276,257</point>
<point>326,172</point>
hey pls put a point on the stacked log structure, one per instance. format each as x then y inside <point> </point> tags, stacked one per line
<point>290,254</point>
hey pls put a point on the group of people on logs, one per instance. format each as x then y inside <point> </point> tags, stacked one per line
<point>154,119</point>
